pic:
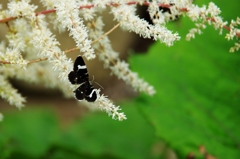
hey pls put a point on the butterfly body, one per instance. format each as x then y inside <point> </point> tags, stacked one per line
<point>79,75</point>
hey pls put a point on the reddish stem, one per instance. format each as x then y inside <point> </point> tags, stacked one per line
<point>81,7</point>
<point>111,4</point>
<point>225,26</point>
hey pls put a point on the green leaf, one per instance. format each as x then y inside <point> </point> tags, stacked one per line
<point>28,133</point>
<point>98,135</point>
<point>34,134</point>
<point>198,93</point>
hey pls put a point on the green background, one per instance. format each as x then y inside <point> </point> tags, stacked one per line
<point>196,104</point>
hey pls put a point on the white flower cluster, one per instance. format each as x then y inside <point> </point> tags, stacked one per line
<point>111,60</point>
<point>67,13</point>
<point>121,69</point>
<point>233,33</point>
<point>10,94</point>
<point>104,104</point>
<point>210,15</point>
<point>131,22</point>
<point>32,52</point>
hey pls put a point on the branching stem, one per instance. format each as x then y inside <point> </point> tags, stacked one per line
<point>70,50</point>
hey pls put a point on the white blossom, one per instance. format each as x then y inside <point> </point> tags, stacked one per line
<point>104,104</point>
<point>129,21</point>
<point>203,15</point>
<point>112,61</point>
<point>10,94</point>
<point>32,52</point>
<point>67,13</point>
<point>21,8</point>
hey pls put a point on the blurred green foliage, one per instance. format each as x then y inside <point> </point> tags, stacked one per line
<point>198,96</point>
<point>196,104</point>
<point>36,134</point>
<point>198,92</point>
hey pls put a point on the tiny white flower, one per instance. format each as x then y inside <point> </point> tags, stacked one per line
<point>29,41</point>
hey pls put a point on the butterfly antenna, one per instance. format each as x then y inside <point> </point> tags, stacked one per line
<point>97,83</point>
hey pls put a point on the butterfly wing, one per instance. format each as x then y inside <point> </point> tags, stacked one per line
<point>79,75</point>
<point>78,63</point>
<point>80,92</point>
<point>72,77</point>
<point>81,70</point>
<point>90,94</point>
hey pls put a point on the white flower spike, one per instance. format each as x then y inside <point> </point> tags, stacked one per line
<point>32,53</point>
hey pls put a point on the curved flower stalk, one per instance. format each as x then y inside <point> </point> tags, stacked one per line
<point>10,94</point>
<point>1,117</point>
<point>33,54</point>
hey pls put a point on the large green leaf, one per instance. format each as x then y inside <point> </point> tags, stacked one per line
<point>198,93</point>
<point>34,134</point>
<point>27,134</point>
<point>97,135</point>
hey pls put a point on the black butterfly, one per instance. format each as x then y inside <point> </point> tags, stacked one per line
<point>79,75</point>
